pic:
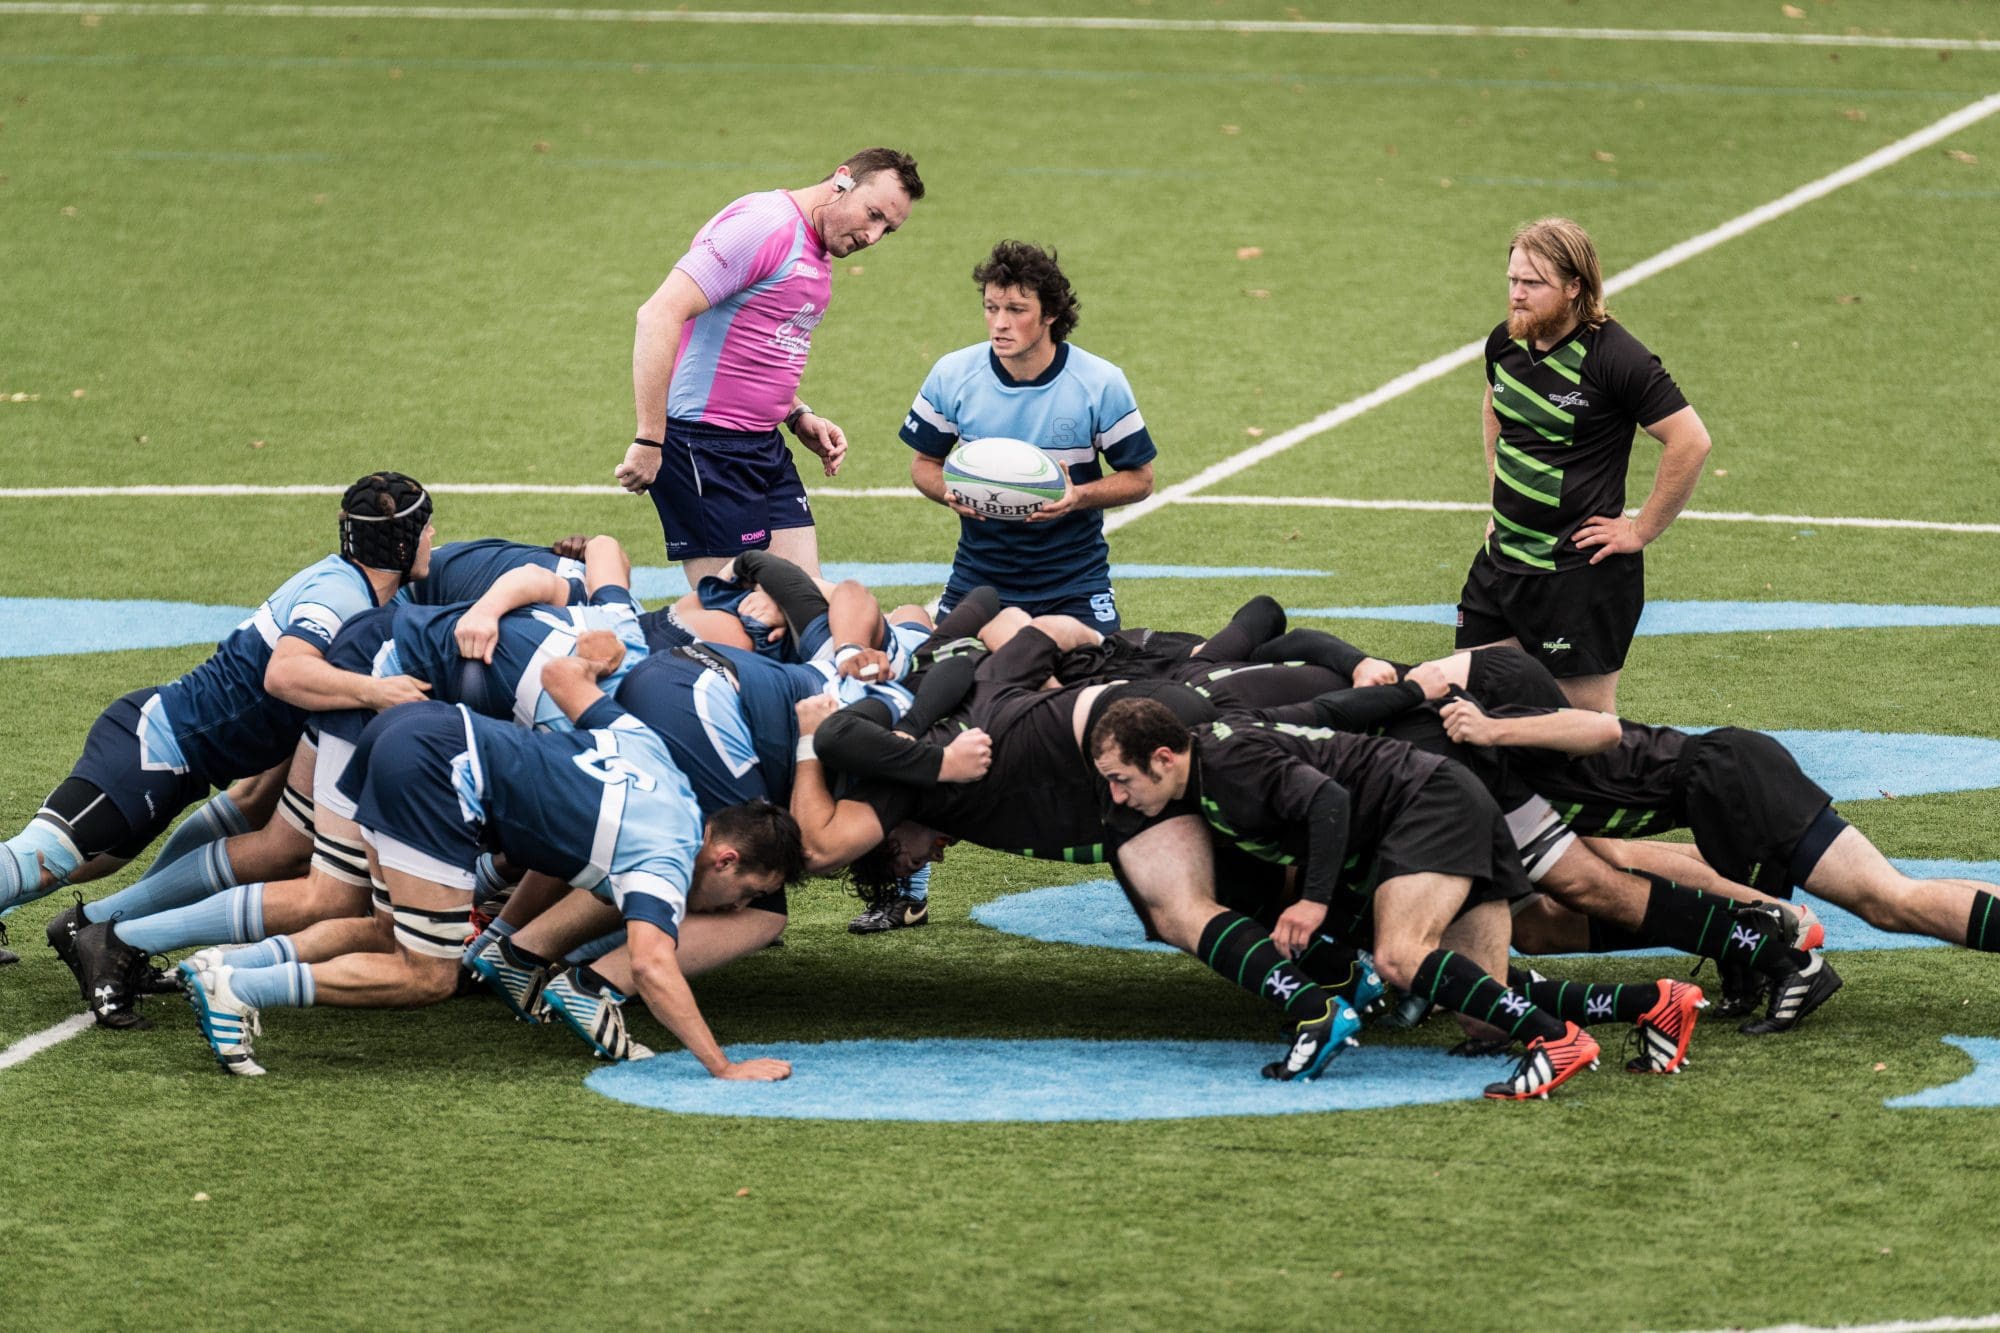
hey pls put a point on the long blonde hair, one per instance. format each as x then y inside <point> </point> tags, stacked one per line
<point>1566,249</point>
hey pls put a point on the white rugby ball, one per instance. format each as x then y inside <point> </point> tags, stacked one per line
<point>1002,478</point>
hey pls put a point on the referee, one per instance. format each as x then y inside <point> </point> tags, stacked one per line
<point>1561,573</point>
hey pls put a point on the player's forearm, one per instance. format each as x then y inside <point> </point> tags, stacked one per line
<point>571,684</point>
<point>605,565</point>
<point>927,475</point>
<point>1673,485</point>
<point>522,587</point>
<point>302,678</point>
<point>1576,731</point>
<point>1120,488</point>
<point>666,993</point>
<point>812,806</point>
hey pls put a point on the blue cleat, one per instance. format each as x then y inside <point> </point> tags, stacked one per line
<point>1316,1042</point>
<point>506,974</point>
<point>596,1015</point>
<point>227,1023</point>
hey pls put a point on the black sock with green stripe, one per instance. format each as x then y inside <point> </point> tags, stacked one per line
<point>1584,1003</point>
<point>1705,924</point>
<point>1241,950</point>
<point>1460,985</point>
<point>1982,932</point>
<point>1339,968</point>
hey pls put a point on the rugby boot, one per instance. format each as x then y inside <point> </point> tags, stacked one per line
<point>1316,1041</point>
<point>593,1010</point>
<point>512,978</point>
<point>1664,1031</point>
<point>1795,995</point>
<point>1478,1048</point>
<point>7,955</point>
<point>62,933</point>
<point>104,970</point>
<point>1546,1065</point>
<point>1401,1012</point>
<point>1743,987</point>
<point>227,1024</point>
<point>897,913</point>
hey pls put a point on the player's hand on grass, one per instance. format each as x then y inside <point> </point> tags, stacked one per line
<point>476,634</point>
<point>1296,927</point>
<point>967,758</point>
<point>811,712</point>
<point>389,691</point>
<point>1059,508</point>
<point>756,1071</point>
<point>641,465</point>
<point>954,502</point>
<point>870,664</point>
<point>824,438</point>
<point>1374,671</point>
<point>1609,536</point>
<point>1466,724</point>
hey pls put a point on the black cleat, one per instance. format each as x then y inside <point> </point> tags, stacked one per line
<point>898,913</point>
<point>1795,995</point>
<point>1404,1013</point>
<point>1744,989</point>
<point>62,934</point>
<point>1472,1049</point>
<point>105,969</point>
<point>6,955</point>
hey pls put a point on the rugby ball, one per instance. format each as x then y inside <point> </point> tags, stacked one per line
<point>1002,478</point>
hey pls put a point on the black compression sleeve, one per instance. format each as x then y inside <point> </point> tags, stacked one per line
<point>858,740</point>
<point>786,584</point>
<point>940,689</point>
<point>1326,842</point>
<point>1311,645</point>
<point>1368,707</point>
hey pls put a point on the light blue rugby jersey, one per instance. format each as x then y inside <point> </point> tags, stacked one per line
<point>1079,410</point>
<point>218,722</point>
<point>603,806</point>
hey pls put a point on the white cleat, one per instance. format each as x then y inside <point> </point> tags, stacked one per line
<point>227,1024</point>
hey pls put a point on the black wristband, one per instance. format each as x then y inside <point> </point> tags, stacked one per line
<point>650,444</point>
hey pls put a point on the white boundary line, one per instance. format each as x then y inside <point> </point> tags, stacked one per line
<point>1439,367</point>
<point>1948,1322</point>
<point>29,1047</point>
<point>232,490</point>
<point>1072,23</point>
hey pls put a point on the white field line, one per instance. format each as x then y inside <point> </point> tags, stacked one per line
<point>230,490</point>
<point>29,1047</point>
<point>1441,366</point>
<point>1948,1322</point>
<point>1060,22</point>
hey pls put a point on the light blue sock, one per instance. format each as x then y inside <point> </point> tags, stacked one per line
<point>216,818</point>
<point>496,929</point>
<point>21,874</point>
<point>597,948</point>
<point>235,916</point>
<point>285,986</point>
<point>196,876</point>
<point>265,953</point>
<point>917,888</point>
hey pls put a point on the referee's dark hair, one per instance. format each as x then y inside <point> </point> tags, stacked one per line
<point>1139,729</point>
<point>871,160</point>
<point>1032,269</point>
<point>764,836</point>
<point>1566,248</point>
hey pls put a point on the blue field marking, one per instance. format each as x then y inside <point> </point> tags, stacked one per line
<point>962,1080</point>
<point>651,582</point>
<point>1981,1087</point>
<point>47,627</point>
<point>1095,914</point>
<point>1715,617</point>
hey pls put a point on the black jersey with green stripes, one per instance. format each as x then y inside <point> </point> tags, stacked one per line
<point>1630,791</point>
<point>1566,421</point>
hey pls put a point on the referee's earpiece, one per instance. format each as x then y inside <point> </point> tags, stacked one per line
<point>842,184</point>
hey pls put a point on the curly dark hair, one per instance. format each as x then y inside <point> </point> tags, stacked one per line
<point>1137,729</point>
<point>1032,269</point>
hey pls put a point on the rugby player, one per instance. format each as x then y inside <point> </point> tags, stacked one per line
<point>719,351</point>
<point>1029,382</point>
<point>1561,572</point>
<point>602,807</point>
<point>158,750</point>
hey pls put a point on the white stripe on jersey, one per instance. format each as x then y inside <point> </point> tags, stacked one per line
<point>610,816</point>
<point>1082,454</point>
<point>930,416</point>
<point>265,622</point>
<point>1129,424</point>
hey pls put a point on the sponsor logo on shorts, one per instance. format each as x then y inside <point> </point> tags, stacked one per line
<point>756,536</point>
<point>1556,645</point>
<point>1569,400</point>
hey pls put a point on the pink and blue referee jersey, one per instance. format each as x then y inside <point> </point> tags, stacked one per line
<point>767,279</point>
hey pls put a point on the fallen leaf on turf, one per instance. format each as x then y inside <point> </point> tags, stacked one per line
<point>1292,536</point>
<point>1444,182</point>
<point>1855,113</point>
<point>395,71</point>
<point>743,1193</point>
<point>201,1197</point>
<point>1389,150</point>
<point>1339,1274</point>
<point>1723,472</point>
<point>1259,292</point>
<point>854,270</point>
<point>541,145</point>
<point>92,20</point>
<point>1232,129</point>
<point>1791,11</point>
<point>1249,252</point>
<point>1885,1250</point>
<point>1848,300</point>
<point>1879,1067</point>
<point>76,393</point>
<point>23,397</point>
<point>1962,157</point>
<point>1944,55</point>
<point>256,444</point>
<point>319,198</point>
<point>1887,795</point>
<point>1599,155</point>
<point>1253,431</point>
<point>69,210</point>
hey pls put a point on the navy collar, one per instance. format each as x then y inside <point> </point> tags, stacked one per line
<point>1054,369</point>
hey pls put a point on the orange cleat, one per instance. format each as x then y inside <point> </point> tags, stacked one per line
<point>1547,1065</point>
<point>1663,1032</point>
